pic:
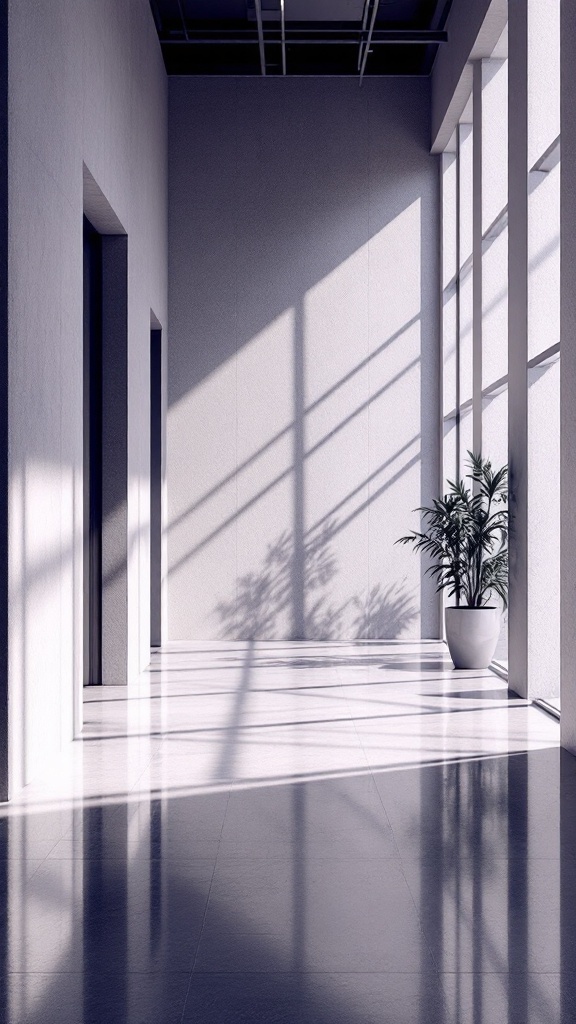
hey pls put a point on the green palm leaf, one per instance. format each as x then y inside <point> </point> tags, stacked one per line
<point>465,534</point>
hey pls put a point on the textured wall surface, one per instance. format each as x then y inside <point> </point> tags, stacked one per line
<point>87,84</point>
<point>567,382</point>
<point>4,595</point>
<point>303,360</point>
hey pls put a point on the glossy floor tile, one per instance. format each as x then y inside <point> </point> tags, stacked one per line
<point>296,833</point>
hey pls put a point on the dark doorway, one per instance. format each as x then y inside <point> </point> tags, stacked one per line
<point>92,456</point>
<point>156,444</point>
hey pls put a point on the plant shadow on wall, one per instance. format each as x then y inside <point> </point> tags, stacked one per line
<point>264,597</point>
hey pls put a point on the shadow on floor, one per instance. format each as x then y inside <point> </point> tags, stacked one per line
<point>441,894</point>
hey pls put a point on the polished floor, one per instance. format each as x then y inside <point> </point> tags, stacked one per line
<point>296,834</point>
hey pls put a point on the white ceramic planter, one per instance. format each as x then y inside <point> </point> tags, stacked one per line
<point>472,635</point>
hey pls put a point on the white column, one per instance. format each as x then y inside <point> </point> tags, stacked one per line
<point>518,342</point>
<point>449,315</point>
<point>492,386</point>
<point>533,409</point>
<point>4,787</point>
<point>568,379</point>
<point>543,462</point>
<point>477,191</point>
<point>465,291</point>
<point>495,261</point>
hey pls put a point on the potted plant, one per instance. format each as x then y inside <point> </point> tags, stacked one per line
<point>465,534</point>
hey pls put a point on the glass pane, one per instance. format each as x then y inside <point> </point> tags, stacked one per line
<point>465,180</point>
<point>543,76</point>
<point>495,448</point>
<point>494,140</point>
<point>449,454</point>
<point>466,338</point>
<point>495,428</point>
<point>449,273</point>
<point>544,529</point>
<point>466,440</point>
<point>544,262</point>
<point>495,310</point>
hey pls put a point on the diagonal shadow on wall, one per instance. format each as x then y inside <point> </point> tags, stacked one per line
<point>303,351</point>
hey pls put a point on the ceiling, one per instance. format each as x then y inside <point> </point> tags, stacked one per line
<point>300,37</point>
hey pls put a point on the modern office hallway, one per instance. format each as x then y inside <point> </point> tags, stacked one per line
<point>346,833</point>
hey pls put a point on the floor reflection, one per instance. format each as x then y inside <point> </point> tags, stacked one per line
<point>353,859</point>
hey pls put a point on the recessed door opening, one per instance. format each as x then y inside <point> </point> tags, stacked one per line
<point>156,443</point>
<point>105,461</point>
<point>92,456</point>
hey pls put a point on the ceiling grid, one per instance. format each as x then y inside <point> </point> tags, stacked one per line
<point>300,37</point>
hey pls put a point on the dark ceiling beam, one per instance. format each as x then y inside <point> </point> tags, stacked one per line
<point>283,35</point>
<point>369,39</point>
<point>395,37</point>
<point>258,7</point>
<point>362,31</point>
<point>437,21</point>
<point>183,19</point>
<point>309,29</point>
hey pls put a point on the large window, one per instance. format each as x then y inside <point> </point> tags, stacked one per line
<point>478,246</point>
<point>491,83</point>
<point>543,350</point>
<point>475,285</point>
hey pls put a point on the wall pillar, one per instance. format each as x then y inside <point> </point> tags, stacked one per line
<point>477,302</point>
<point>465,361</point>
<point>450,313</point>
<point>4,402</point>
<point>568,380</point>
<point>518,343</point>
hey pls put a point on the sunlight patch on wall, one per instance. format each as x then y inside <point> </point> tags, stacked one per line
<point>35,582</point>
<point>396,274</point>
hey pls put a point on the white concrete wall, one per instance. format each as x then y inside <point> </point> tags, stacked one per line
<point>303,422</point>
<point>86,84</point>
<point>568,381</point>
